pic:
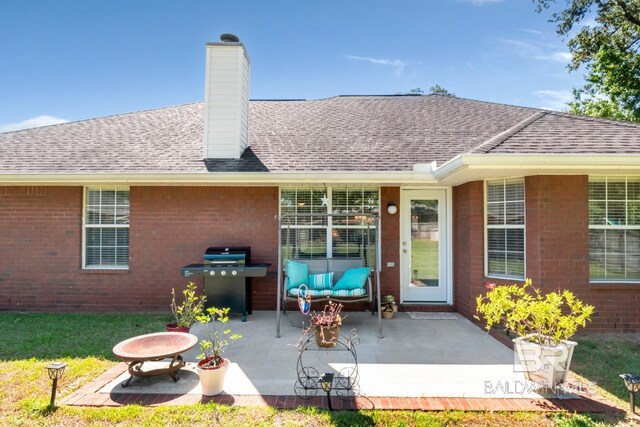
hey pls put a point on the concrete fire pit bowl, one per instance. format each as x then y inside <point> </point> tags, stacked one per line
<point>151,347</point>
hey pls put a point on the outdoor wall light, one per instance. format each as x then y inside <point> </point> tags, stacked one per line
<point>326,381</point>
<point>632,382</point>
<point>392,208</point>
<point>55,370</point>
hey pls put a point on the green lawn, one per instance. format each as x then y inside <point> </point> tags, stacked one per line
<point>30,341</point>
<point>603,357</point>
<point>424,259</point>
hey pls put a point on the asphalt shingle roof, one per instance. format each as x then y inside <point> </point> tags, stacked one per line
<point>352,133</point>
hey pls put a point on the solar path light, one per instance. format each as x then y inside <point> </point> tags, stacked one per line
<point>55,370</point>
<point>633,385</point>
<point>326,381</point>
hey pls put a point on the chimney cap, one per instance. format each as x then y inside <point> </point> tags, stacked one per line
<point>229,38</point>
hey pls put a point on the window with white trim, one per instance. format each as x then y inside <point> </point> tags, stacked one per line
<point>505,229</point>
<point>336,237</point>
<point>106,227</point>
<point>614,229</point>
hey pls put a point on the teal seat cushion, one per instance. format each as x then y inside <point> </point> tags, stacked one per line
<point>297,274</point>
<point>329,293</point>
<point>321,282</point>
<point>353,278</point>
<point>314,293</point>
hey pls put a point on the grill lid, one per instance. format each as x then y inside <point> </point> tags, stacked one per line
<point>240,255</point>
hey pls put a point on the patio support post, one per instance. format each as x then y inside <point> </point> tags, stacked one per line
<point>278,292</point>
<point>378,245</point>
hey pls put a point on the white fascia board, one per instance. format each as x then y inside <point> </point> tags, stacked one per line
<point>473,167</point>
<point>222,178</point>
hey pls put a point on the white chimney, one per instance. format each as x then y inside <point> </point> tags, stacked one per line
<point>226,99</point>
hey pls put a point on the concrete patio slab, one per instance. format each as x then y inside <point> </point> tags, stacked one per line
<point>416,358</point>
<point>419,364</point>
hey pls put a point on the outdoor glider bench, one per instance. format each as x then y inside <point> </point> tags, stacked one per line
<point>349,274</point>
<point>330,279</point>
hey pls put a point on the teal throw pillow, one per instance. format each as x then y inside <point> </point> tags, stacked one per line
<point>353,278</point>
<point>297,274</point>
<point>321,282</point>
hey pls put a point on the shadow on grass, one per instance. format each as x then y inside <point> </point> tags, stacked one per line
<point>52,336</point>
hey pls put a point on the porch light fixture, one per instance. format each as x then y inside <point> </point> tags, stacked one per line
<point>392,208</point>
<point>632,382</point>
<point>326,381</point>
<point>55,371</point>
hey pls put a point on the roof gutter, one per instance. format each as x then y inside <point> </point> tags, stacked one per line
<point>221,178</point>
<point>469,167</point>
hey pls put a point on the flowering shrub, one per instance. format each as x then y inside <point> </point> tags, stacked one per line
<point>548,318</point>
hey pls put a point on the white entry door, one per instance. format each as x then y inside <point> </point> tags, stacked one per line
<point>423,246</point>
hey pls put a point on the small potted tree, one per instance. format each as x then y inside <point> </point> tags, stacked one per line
<point>543,322</point>
<point>186,313</point>
<point>212,367</point>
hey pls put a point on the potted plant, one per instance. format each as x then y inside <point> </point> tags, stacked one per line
<point>326,325</point>
<point>389,307</point>
<point>212,367</point>
<point>187,312</point>
<point>543,322</point>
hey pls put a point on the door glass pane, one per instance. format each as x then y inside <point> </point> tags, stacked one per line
<point>424,243</point>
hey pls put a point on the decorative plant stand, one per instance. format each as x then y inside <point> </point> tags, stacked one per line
<point>345,383</point>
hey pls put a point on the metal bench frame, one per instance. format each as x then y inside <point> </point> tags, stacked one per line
<point>373,293</point>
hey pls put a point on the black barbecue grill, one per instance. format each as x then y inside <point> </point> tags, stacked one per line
<point>227,276</point>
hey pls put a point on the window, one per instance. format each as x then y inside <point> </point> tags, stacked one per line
<point>614,229</point>
<point>106,227</point>
<point>505,229</point>
<point>337,237</point>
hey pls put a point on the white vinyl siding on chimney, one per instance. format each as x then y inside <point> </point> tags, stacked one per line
<point>226,103</point>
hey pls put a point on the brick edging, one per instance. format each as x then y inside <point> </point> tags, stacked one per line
<point>88,395</point>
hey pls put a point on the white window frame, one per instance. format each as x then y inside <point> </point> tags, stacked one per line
<point>329,226</point>
<point>85,226</point>
<point>612,227</point>
<point>488,226</point>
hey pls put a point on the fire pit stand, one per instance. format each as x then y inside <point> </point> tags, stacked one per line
<point>154,347</point>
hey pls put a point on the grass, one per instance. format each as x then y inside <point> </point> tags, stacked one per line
<point>601,357</point>
<point>424,258</point>
<point>31,341</point>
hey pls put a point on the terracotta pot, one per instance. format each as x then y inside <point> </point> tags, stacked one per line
<point>212,380</point>
<point>387,314</point>
<point>173,327</point>
<point>331,336</point>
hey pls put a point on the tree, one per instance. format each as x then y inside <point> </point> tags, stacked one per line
<point>610,51</point>
<point>433,90</point>
<point>439,90</point>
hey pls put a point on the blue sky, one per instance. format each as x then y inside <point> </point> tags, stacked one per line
<point>72,60</point>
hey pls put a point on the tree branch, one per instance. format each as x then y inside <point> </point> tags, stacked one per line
<point>627,13</point>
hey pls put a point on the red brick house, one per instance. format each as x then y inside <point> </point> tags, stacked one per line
<point>100,214</point>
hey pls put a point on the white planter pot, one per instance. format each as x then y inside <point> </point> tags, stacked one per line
<point>212,380</point>
<point>545,365</point>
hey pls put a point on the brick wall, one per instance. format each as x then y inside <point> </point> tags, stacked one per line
<point>41,233</point>
<point>390,241</point>
<point>557,249</point>
<point>468,245</point>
